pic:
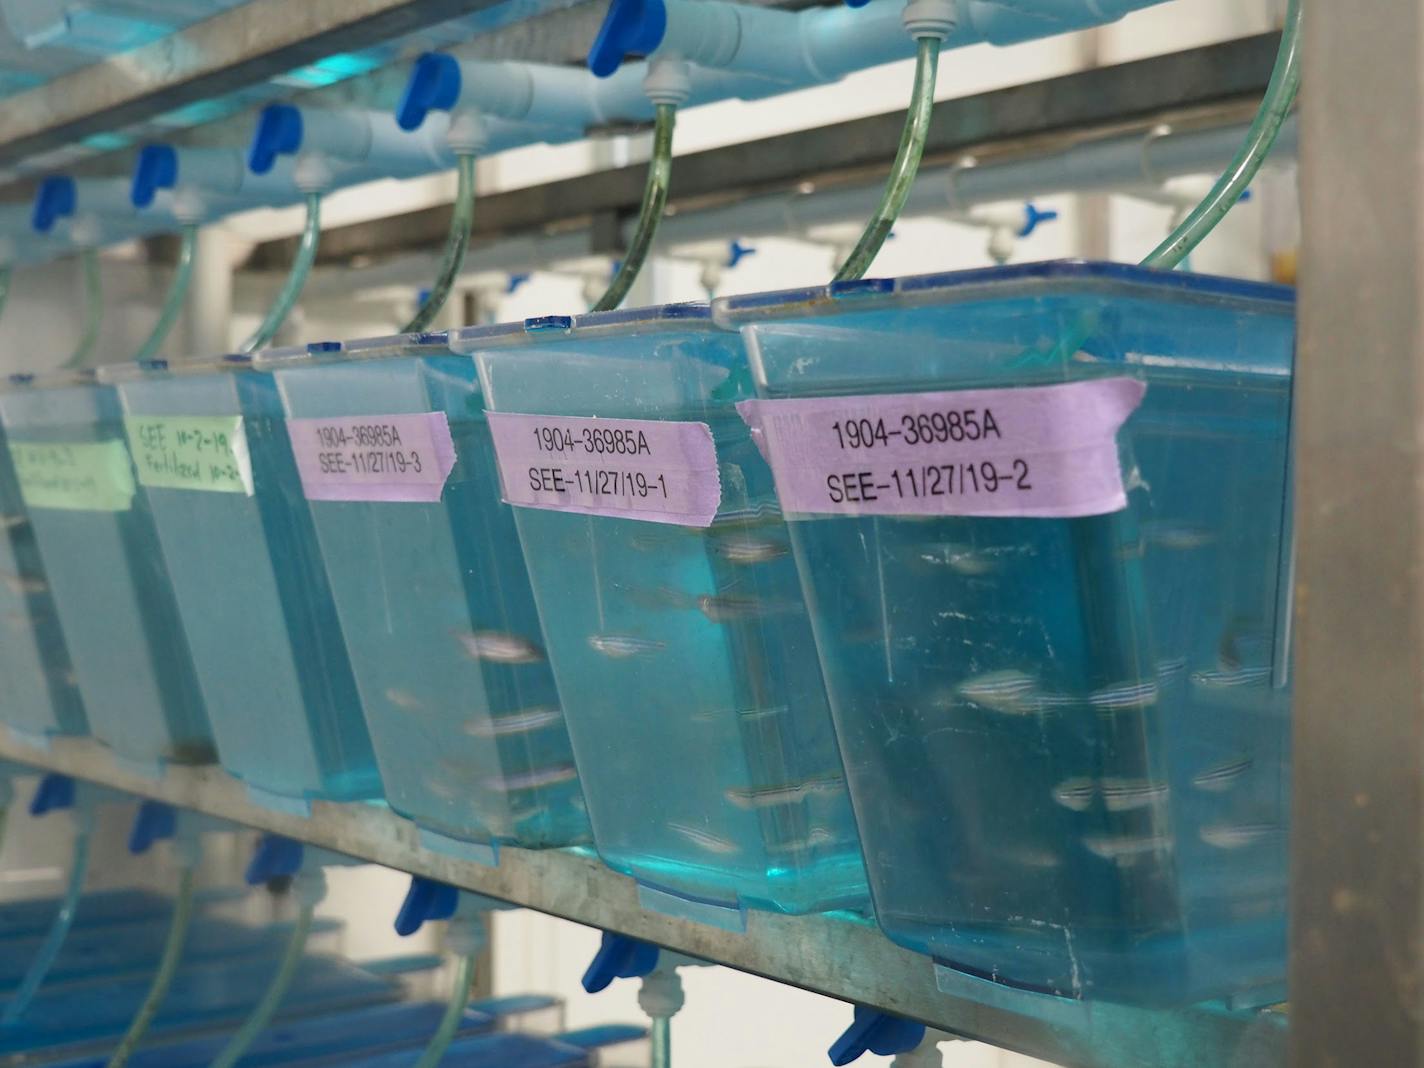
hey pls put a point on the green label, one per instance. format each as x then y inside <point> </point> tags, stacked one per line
<point>89,476</point>
<point>192,452</point>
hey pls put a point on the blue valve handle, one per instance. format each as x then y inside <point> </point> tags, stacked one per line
<point>631,28</point>
<point>279,132</point>
<point>153,821</point>
<point>274,858</point>
<point>1034,216</point>
<point>54,200</point>
<point>54,792</point>
<point>619,957</point>
<point>425,900</point>
<point>434,85</point>
<point>515,281</point>
<point>157,168</point>
<point>736,252</point>
<point>873,1031</point>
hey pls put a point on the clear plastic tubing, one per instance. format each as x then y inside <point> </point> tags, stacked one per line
<point>173,302</point>
<point>93,308</point>
<point>662,1042</point>
<point>456,242</point>
<point>54,940</point>
<point>172,953</point>
<point>4,287</point>
<point>296,278</point>
<point>262,1015</point>
<point>655,195</point>
<point>907,162</point>
<point>450,1022</point>
<point>1275,106</point>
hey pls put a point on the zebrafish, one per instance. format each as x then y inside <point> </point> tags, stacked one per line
<point>1171,670</point>
<point>705,839</point>
<point>731,608</point>
<point>1230,679</point>
<point>818,836</point>
<point>22,585</point>
<point>524,721</point>
<point>404,700</point>
<point>1076,794</point>
<point>1239,835</point>
<point>1011,692</point>
<point>1125,849</point>
<point>1219,778</point>
<point>1176,537</point>
<point>790,793</point>
<point>498,647</point>
<point>14,522</point>
<point>1125,695</point>
<point>747,550</point>
<point>961,559</point>
<point>624,646</point>
<point>1125,795</point>
<point>534,779</point>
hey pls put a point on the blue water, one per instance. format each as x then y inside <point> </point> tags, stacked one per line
<point>110,583</point>
<point>255,601</point>
<point>685,656</point>
<point>1067,740</point>
<point>440,621</point>
<point>41,691</point>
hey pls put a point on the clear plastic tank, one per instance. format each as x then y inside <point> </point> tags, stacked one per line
<point>431,590</point>
<point>105,570</point>
<point>683,653</point>
<point>216,467</point>
<point>1067,739</point>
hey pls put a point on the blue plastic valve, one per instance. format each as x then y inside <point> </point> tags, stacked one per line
<point>279,131</point>
<point>619,957</point>
<point>873,1031</point>
<point>631,28</point>
<point>425,900</point>
<point>513,283</point>
<point>1033,216</point>
<point>274,858</point>
<point>856,3</point>
<point>157,168</point>
<point>55,199</point>
<point>434,85</point>
<point>153,821</point>
<point>54,792</point>
<point>736,252</point>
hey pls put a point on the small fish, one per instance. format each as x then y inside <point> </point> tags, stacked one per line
<point>790,793</point>
<point>1239,836</point>
<point>732,608</point>
<point>747,549</point>
<point>1127,695</point>
<point>1222,777</point>
<point>1176,537</point>
<point>498,647</point>
<point>705,839</point>
<point>817,837</point>
<point>14,522</point>
<point>1076,794</point>
<point>524,721</point>
<point>1226,680</point>
<point>1011,692</point>
<point>1126,795</point>
<point>961,559</point>
<point>534,779</point>
<point>624,646</point>
<point>22,585</point>
<point>1035,859</point>
<point>1171,670</point>
<point>1123,849</point>
<point>404,700</point>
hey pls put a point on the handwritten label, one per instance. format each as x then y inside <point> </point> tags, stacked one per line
<point>90,476</point>
<point>192,452</point>
<point>1038,451</point>
<point>649,469</point>
<point>374,457</point>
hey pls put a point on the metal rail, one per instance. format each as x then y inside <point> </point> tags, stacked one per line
<point>841,956</point>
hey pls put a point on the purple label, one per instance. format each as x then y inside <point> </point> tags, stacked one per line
<point>648,469</point>
<point>373,457</point>
<point>1047,451</point>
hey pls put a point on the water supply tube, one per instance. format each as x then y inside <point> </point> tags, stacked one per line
<point>177,293</point>
<point>56,792</point>
<point>655,194</point>
<point>93,308</point>
<point>286,298</point>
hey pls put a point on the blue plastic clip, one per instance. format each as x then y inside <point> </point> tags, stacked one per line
<point>157,168</point>
<point>279,130</point>
<point>153,821</point>
<point>434,84</point>
<point>425,900</point>
<point>54,200</point>
<point>736,252</point>
<point>275,857</point>
<point>631,28</point>
<point>619,957</point>
<point>1033,216</point>
<point>54,792</point>
<point>874,1031</point>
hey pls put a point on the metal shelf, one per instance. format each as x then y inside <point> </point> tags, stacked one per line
<point>838,955</point>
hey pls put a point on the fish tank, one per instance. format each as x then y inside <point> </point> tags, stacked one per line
<point>41,694</point>
<point>675,620</point>
<point>215,464</point>
<point>1040,515</point>
<point>431,591</point>
<point>103,567</point>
